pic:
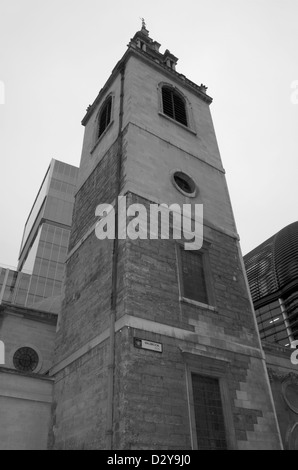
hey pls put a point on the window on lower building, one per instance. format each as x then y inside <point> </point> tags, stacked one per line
<point>174,105</point>
<point>25,359</point>
<point>105,116</point>
<point>208,410</point>
<point>193,281</point>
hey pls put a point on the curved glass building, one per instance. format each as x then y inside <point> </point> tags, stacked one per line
<point>272,271</point>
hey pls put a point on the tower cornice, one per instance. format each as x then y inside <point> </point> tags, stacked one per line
<point>157,61</point>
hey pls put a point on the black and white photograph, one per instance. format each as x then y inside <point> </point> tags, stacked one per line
<point>149,228</point>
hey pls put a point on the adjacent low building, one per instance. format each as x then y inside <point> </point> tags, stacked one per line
<point>25,385</point>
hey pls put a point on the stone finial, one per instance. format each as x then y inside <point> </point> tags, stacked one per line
<point>144,29</point>
<point>143,23</point>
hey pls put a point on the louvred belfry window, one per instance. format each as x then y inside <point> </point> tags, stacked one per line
<point>173,105</point>
<point>105,117</point>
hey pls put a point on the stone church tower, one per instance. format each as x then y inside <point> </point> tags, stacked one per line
<point>157,346</point>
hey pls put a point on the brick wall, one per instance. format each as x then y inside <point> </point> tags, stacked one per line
<point>152,287</point>
<point>80,400</point>
<point>80,393</point>
<point>151,404</point>
<point>87,291</point>
<point>151,400</point>
<point>99,188</point>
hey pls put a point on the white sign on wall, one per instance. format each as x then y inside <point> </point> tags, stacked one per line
<point>145,344</point>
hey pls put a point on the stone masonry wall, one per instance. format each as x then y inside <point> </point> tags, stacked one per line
<point>151,397</point>
<point>79,406</point>
<point>87,292</point>
<point>152,292</point>
<point>80,392</point>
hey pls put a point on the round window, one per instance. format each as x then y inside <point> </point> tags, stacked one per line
<point>25,359</point>
<point>184,183</point>
<point>290,394</point>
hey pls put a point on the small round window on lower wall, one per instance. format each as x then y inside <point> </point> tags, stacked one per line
<point>290,394</point>
<point>184,183</point>
<point>25,359</point>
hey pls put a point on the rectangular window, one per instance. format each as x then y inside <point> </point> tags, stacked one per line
<point>208,411</point>
<point>193,281</point>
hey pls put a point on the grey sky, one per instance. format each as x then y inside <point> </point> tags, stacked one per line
<point>56,55</point>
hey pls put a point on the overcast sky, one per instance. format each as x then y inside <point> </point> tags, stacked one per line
<point>56,55</point>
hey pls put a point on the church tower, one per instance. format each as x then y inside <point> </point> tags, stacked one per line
<point>157,345</point>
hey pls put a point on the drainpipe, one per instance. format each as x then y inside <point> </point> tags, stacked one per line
<point>111,365</point>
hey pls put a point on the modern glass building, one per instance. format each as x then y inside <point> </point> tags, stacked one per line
<point>45,240</point>
<point>12,284</point>
<point>272,271</point>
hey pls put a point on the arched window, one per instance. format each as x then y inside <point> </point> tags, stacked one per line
<point>105,116</point>
<point>174,105</point>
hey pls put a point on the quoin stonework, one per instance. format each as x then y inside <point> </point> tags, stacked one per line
<point>149,137</point>
<point>156,343</point>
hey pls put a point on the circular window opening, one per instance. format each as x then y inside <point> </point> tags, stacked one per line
<point>184,183</point>
<point>25,359</point>
<point>290,393</point>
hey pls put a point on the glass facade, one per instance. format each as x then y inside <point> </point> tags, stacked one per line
<point>272,272</point>
<point>37,206</point>
<point>13,286</point>
<point>21,289</point>
<point>290,308</point>
<point>8,279</point>
<point>45,241</point>
<point>271,323</point>
<point>278,320</point>
<point>48,270</point>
